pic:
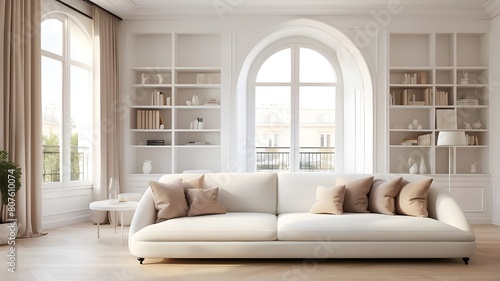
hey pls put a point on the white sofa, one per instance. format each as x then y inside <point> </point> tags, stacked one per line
<point>268,217</point>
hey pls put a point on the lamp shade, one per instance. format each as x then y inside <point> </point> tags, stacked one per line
<point>451,138</point>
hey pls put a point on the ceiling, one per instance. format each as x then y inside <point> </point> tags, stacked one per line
<point>135,9</point>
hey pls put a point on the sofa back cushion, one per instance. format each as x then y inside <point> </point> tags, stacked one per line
<point>239,192</point>
<point>297,191</point>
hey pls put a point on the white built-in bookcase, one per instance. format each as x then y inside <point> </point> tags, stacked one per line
<point>179,66</point>
<point>428,69</point>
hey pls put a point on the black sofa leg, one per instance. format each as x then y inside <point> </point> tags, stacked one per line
<point>466,260</point>
<point>140,260</point>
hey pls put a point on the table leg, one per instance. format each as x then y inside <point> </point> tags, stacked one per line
<point>97,230</point>
<point>115,221</point>
<point>121,225</point>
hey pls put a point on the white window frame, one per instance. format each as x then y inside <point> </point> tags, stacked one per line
<point>65,138</point>
<point>295,43</point>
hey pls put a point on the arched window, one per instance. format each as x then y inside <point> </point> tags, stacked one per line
<point>66,101</point>
<point>297,85</point>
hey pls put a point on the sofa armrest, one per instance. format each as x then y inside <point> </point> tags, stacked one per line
<point>145,213</point>
<point>443,207</point>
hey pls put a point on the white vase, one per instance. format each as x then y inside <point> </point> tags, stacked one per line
<point>422,169</point>
<point>147,166</point>
<point>111,189</point>
<point>414,169</point>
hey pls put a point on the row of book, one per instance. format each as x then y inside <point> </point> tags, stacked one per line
<point>414,78</point>
<point>442,98</point>
<point>159,98</point>
<point>149,119</point>
<point>412,97</point>
<point>471,140</point>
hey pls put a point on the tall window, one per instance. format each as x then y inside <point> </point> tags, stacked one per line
<point>66,101</point>
<point>295,94</point>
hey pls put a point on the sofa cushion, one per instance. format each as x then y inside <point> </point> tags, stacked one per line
<point>170,201</point>
<point>239,192</point>
<point>366,227</point>
<point>223,227</point>
<point>204,202</point>
<point>381,198</point>
<point>329,200</point>
<point>356,194</point>
<point>297,191</point>
<point>412,199</point>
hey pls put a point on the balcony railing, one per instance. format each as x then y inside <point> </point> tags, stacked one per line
<point>311,159</point>
<point>52,160</point>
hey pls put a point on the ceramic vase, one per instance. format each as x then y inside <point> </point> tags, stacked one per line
<point>147,166</point>
<point>111,189</point>
<point>422,169</point>
<point>414,169</point>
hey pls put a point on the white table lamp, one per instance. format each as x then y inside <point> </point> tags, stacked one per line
<point>450,139</point>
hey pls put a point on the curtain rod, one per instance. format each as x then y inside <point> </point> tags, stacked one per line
<point>83,13</point>
<point>92,3</point>
<point>73,8</point>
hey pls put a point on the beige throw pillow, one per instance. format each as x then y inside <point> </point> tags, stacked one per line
<point>169,199</point>
<point>204,202</point>
<point>412,199</point>
<point>356,194</point>
<point>382,196</point>
<point>329,200</point>
<point>195,182</point>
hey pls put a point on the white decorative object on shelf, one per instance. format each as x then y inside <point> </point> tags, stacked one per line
<point>147,166</point>
<point>160,78</point>
<point>195,100</point>
<point>415,125</point>
<point>200,123</point>
<point>422,169</point>
<point>144,78</point>
<point>476,125</point>
<point>465,80</point>
<point>414,169</point>
<point>467,125</point>
<point>473,169</point>
<point>208,79</point>
<point>200,78</point>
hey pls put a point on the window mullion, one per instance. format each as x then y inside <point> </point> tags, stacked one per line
<point>66,122</point>
<point>295,104</point>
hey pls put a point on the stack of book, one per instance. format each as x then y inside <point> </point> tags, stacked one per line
<point>409,141</point>
<point>468,102</point>
<point>155,142</point>
<point>424,139</point>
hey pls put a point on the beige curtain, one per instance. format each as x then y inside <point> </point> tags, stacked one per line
<point>106,83</point>
<point>21,107</point>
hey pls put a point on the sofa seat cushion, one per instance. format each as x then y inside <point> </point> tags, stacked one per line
<point>366,227</point>
<point>221,227</point>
